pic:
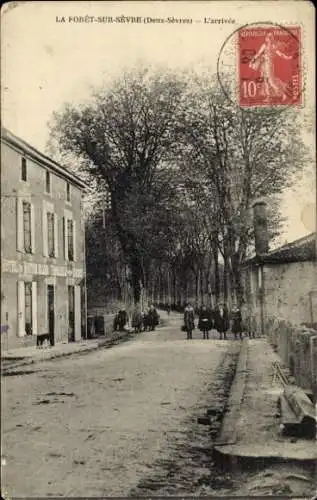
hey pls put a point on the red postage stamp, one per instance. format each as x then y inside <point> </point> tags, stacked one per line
<point>269,66</point>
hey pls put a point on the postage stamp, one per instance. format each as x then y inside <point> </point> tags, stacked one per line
<point>269,66</point>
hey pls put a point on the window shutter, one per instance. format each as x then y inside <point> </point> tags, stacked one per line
<point>34,308</point>
<point>74,240</point>
<point>56,235</point>
<point>45,237</point>
<point>65,238</point>
<point>21,309</point>
<point>32,228</point>
<point>19,223</point>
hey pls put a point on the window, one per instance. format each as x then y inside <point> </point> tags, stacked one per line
<point>27,237</point>
<point>67,191</point>
<point>70,239</point>
<point>50,234</point>
<point>69,236</point>
<point>23,169</point>
<point>28,308</point>
<point>47,181</point>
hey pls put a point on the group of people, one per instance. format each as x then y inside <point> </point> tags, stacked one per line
<point>218,318</point>
<point>141,320</point>
<point>145,320</point>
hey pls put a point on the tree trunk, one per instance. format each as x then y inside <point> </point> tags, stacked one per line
<point>169,286</point>
<point>159,285</point>
<point>225,279</point>
<point>174,288</point>
<point>136,277</point>
<point>217,277</point>
<point>197,283</point>
<point>237,277</point>
<point>202,286</point>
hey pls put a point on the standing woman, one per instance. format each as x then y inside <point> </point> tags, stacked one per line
<point>222,320</point>
<point>236,318</point>
<point>204,322</point>
<point>137,321</point>
<point>189,321</point>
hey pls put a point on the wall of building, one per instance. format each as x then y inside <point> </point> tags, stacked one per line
<point>33,190</point>
<point>288,291</point>
<point>251,310</point>
<point>37,267</point>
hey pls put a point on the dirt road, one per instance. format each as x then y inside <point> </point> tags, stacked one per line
<point>100,424</point>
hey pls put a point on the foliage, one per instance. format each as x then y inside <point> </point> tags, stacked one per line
<point>182,166</point>
<point>238,156</point>
<point>126,136</point>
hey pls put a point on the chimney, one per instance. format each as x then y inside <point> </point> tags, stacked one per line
<point>260,227</point>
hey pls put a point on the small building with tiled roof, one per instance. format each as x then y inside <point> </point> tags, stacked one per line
<point>281,299</point>
<point>300,250</point>
<point>282,283</point>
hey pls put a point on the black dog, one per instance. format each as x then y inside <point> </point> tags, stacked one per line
<point>41,339</point>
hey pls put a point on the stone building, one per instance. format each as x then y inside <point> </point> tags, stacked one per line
<point>281,299</point>
<point>42,246</point>
<point>281,283</point>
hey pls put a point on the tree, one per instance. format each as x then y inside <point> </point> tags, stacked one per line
<point>104,260</point>
<point>182,166</point>
<point>239,155</point>
<point>126,137</point>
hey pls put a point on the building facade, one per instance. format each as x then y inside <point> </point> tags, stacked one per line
<point>42,246</point>
<point>282,285</point>
<point>281,300</point>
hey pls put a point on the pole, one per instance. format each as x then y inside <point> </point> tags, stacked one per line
<point>7,330</point>
<point>261,292</point>
<point>85,284</point>
<point>103,214</point>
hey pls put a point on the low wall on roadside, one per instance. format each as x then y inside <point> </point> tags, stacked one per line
<point>297,347</point>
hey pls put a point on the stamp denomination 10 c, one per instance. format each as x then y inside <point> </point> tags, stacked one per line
<point>269,66</point>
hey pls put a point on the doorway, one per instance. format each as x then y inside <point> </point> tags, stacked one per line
<point>71,314</point>
<point>51,313</point>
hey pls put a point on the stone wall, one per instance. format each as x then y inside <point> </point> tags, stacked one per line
<point>297,348</point>
<point>290,291</point>
<point>286,291</point>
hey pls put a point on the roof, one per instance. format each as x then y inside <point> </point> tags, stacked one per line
<point>303,249</point>
<point>17,143</point>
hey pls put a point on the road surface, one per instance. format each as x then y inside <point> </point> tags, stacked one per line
<point>102,424</point>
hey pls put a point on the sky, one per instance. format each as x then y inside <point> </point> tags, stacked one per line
<point>46,62</point>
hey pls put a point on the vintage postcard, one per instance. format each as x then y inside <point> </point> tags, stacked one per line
<point>158,249</point>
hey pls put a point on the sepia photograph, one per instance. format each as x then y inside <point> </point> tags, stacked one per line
<point>158,249</point>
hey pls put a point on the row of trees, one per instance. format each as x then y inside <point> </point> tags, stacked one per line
<point>182,166</point>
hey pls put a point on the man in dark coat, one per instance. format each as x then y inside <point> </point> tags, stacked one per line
<point>205,322</point>
<point>221,316</point>
<point>153,317</point>
<point>122,319</point>
<point>145,320</point>
<point>236,319</point>
<point>137,321</point>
